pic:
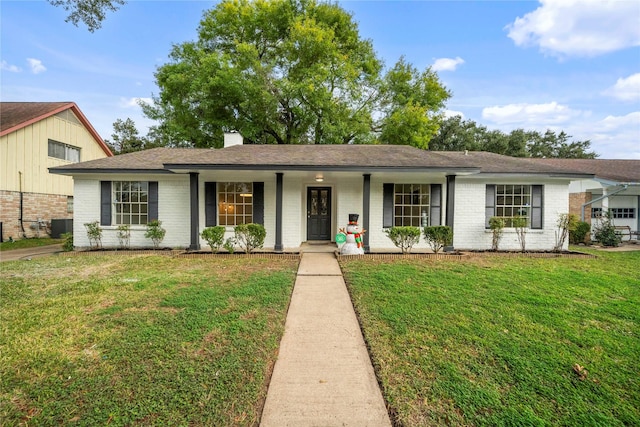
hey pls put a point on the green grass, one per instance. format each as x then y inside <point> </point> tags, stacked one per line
<point>28,243</point>
<point>139,340</point>
<point>493,341</point>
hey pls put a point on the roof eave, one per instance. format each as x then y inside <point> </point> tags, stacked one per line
<point>183,167</point>
<point>61,170</point>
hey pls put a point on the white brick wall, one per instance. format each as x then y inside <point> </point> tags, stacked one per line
<point>173,211</point>
<point>469,222</point>
<point>174,205</point>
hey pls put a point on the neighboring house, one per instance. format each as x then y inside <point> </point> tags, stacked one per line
<point>35,136</point>
<point>615,187</point>
<point>305,193</point>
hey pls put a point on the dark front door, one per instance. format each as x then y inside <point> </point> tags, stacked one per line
<point>319,213</point>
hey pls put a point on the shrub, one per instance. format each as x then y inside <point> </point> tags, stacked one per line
<point>94,233</point>
<point>520,224</point>
<point>438,236</point>
<point>124,235</point>
<point>214,236</point>
<point>580,233</point>
<point>230,245</point>
<point>67,245</point>
<point>496,224</point>
<point>566,223</point>
<point>605,232</point>
<point>250,236</point>
<point>403,237</point>
<point>155,232</point>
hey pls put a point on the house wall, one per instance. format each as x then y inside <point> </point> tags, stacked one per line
<point>347,197</point>
<point>173,211</point>
<point>38,210</point>
<point>26,151</point>
<point>469,223</point>
<point>24,163</point>
<point>617,201</point>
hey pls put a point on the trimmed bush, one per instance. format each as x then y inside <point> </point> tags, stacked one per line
<point>520,224</point>
<point>155,232</point>
<point>403,237</point>
<point>566,223</point>
<point>605,232</point>
<point>214,236</point>
<point>580,233</point>
<point>250,236</point>
<point>124,235</point>
<point>94,233</point>
<point>67,245</point>
<point>438,236</point>
<point>496,224</point>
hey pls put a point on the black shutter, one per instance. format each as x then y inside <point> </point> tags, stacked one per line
<point>435,204</point>
<point>105,202</point>
<point>489,205</point>
<point>536,206</point>
<point>153,201</point>
<point>210,204</point>
<point>258,203</point>
<point>387,205</point>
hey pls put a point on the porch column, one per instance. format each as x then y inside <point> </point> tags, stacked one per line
<point>451,193</point>
<point>193,191</point>
<point>366,202</point>
<point>278,246</point>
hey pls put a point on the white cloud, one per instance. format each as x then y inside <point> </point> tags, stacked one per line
<point>614,137</point>
<point>134,102</point>
<point>36,66</point>
<point>8,67</point>
<point>530,115</point>
<point>447,64</point>
<point>453,113</point>
<point>578,27</point>
<point>626,89</point>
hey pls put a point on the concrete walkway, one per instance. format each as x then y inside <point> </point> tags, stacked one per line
<point>323,375</point>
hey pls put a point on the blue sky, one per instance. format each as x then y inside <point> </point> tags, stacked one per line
<point>561,65</point>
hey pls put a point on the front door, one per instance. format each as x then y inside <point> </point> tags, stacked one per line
<point>319,213</point>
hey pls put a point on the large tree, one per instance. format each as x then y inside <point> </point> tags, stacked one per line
<point>290,72</point>
<point>456,134</point>
<point>126,138</point>
<point>90,12</point>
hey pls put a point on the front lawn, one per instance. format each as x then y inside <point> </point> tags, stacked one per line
<point>28,243</point>
<point>139,340</point>
<point>495,341</point>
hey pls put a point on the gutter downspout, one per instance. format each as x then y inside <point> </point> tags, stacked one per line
<point>20,218</point>
<point>584,205</point>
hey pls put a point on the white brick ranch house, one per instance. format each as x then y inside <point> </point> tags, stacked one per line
<point>305,193</point>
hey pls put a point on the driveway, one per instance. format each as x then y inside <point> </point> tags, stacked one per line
<point>28,253</point>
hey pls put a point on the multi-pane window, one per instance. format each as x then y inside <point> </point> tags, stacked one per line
<point>235,203</point>
<point>69,204</point>
<point>615,213</point>
<point>623,213</point>
<point>411,204</point>
<point>513,201</point>
<point>63,151</point>
<point>130,199</point>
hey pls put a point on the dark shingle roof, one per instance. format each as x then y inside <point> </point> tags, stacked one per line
<point>16,115</point>
<point>625,171</point>
<point>309,157</point>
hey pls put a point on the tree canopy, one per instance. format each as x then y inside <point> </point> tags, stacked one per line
<point>290,72</point>
<point>456,134</point>
<point>90,12</point>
